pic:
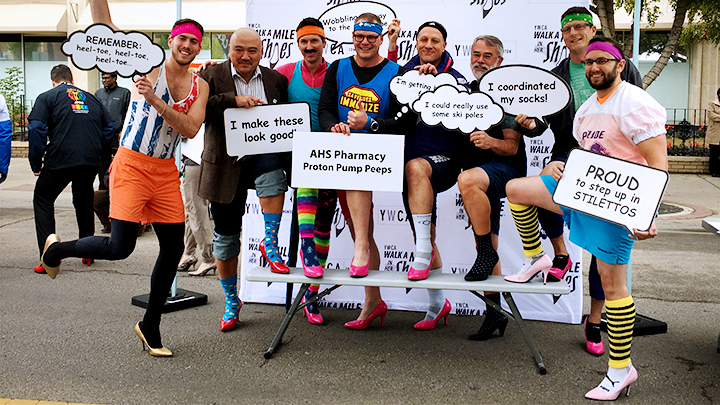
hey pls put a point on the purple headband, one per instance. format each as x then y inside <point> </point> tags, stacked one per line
<point>604,46</point>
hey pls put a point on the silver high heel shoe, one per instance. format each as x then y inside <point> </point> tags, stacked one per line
<point>204,269</point>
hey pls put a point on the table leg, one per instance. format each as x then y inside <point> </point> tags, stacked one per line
<point>526,333</point>
<point>286,322</point>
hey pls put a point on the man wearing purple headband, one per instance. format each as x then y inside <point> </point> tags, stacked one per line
<point>631,125</point>
<point>166,104</point>
<point>577,31</point>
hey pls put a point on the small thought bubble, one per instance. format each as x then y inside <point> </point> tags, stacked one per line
<point>523,89</point>
<point>455,109</point>
<point>339,20</point>
<point>410,85</point>
<point>126,53</point>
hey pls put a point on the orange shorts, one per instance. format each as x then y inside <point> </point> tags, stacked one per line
<point>145,189</point>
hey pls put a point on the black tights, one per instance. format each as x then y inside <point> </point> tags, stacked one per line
<point>120,245</point>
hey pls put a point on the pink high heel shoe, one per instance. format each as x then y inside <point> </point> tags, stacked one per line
<point>600,394</point>
<point>596,348</point>
<point>311,271</point>
<point>414,274</point>
<point>557,274</point>
<point>380,310</point>
<point>360,271</point>
<point>543,264</point>
<point>430,323</point>
<point>315,319</point>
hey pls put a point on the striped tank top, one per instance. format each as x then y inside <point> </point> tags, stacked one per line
<point>145,131</point>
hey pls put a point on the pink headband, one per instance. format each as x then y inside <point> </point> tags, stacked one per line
<point>604,46</point>
<point>187,28</point>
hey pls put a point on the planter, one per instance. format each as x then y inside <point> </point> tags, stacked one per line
<point>688,164</point>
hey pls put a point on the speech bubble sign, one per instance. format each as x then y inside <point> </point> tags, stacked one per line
<point>329,160</point>
<point>524,89</point>
<point>612,189</point>
<point>127,53</point>
<point>408,86</point>
<point>455,109</point>
<point>264,128</point>
<point>339,20</point>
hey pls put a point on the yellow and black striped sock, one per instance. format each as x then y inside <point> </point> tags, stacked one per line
<point>526,221</point>
<point>620,322</point>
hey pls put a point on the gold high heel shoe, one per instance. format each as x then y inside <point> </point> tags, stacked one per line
<point>51,271</point>
<point>204,269</point>
<point>161,352</point>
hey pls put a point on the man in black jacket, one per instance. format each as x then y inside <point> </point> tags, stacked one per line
<point>79,130</point>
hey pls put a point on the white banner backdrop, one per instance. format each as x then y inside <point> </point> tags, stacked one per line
<point>534,40</point>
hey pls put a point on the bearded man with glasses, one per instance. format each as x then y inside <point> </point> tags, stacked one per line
<point>577,31</point>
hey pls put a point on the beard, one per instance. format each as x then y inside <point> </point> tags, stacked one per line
<point>479,73</point>
<point>605,83</point>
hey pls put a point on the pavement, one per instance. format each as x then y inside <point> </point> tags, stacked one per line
<point>71,339</point>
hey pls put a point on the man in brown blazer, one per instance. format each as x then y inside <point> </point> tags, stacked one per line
<point>240,82</point>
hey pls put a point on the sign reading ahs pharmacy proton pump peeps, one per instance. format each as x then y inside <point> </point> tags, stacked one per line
<point>127,53</point>
<point>612,189</point>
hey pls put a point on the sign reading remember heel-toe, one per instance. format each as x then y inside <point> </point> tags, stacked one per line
<point>612,189</point>
<point>264,128</point>
<point>329,160</point>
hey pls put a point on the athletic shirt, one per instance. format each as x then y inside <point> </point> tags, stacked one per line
<point>145,131</point>
<point>298,91</point>
<point>614,126</point>
<point>579,84</point>
<point>374,95</point>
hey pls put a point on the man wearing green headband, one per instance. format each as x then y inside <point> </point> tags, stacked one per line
<point>577,31</point>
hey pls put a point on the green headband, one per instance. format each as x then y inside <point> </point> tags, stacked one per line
<point>576,17</point>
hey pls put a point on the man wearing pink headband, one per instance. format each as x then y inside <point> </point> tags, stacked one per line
<point>576,25</point>
<point>631,127</point>
<point>166,104</point>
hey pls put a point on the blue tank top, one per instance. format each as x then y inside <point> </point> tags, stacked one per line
<point>298,91</point>
<point>374,95</point>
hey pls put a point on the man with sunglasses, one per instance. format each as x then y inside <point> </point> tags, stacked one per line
<point>577,31</point>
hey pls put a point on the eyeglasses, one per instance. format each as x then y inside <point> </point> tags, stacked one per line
<point>576,27</point>
<point>599,61</point>
<point>370,38</point>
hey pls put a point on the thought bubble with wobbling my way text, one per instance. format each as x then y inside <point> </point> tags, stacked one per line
<point>454,109</point>
<point>523,89</point>
<point>340,20</point>
<point>410,85</point>
<point>126,53</point>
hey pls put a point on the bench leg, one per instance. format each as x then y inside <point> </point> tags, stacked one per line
<point>286,322</point>
<point>526,333</point>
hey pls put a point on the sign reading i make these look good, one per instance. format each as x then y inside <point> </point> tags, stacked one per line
<point>264,128</point>
<point>328,160</point>
<point>612,189</point>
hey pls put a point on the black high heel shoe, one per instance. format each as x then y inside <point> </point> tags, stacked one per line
<point>494,320</point>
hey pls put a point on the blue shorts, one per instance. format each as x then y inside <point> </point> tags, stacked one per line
<point>607,241</point>
<point>500,172</point>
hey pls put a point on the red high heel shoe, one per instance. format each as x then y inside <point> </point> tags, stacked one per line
<point>227,326</point>
<point>380,310</point>
<point>359,271</point>
<point>543,264</point>
<point>275,267</point>
<point>556,273</point>
<point>414,274</point>
<point>430,323</point>
<point>88,261</point>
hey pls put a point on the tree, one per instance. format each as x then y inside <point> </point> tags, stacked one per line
<point>703,15</point>
<point>11,88</point>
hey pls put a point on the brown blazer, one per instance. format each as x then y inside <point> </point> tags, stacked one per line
<point>220,173</point>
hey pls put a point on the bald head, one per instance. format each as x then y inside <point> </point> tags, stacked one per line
<point>245,52</point>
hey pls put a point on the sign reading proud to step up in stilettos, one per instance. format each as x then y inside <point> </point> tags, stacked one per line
<point>612,189</point>
<point>127,53</point>
<point>264,128</point>
<point>329,160</point>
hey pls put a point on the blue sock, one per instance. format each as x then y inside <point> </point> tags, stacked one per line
<point>308,250</point>
<point>232,303</point>
<point>272,224</point>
